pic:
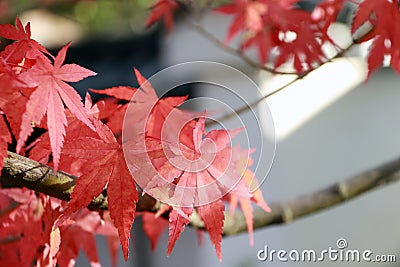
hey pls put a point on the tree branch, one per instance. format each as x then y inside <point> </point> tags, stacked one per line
<point>311,203</point>
<point>21,171</point>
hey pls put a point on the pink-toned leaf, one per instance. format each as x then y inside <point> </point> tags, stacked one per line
<point>213,217</point>
<point>48,98</point>
<point>153,227</point>
<point>24,47</point>
<point>122,198</point>
<point>177,224</point>
<point>119,92</point>
<point>163,9</point>
<point>107,166</point>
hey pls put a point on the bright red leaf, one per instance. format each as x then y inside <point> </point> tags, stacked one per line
<point>112,112</point>
<point>248,16</point>
<point>294,34</point>
<point>24,47</point>
<point>213,216</point>
<point>51,94</point>
<point>105,166</point>
<point>163,9</point>
<point>5,137</point>
<point>85,225</point>
<point>41,149</point>
<point>197,176</point>
<point>153,227</point>
<point>384,16</point>
<point>177,222</point>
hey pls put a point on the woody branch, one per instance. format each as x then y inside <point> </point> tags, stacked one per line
<point>20,171</point>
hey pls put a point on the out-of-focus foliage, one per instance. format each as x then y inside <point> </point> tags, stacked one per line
<point>95,17</point>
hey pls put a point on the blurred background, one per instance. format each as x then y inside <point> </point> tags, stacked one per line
<point>321,138</point>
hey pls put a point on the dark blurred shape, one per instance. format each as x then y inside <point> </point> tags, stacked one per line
<point>114,60</point>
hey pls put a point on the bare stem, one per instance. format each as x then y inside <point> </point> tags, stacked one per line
<point>235,51</point>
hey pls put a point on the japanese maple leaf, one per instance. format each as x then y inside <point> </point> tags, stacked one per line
<point>51,94</point>
<point>41,149</point>
<point>31,224</point>
<point>248,16</point>
<point>147,113</point>
<point>163,9</point>
<point>248,184</point>
<point>264,40</point>
<point>112,112</point>
<point>79,233</point>
<point>13,108</point>
<point>153,227</point>
<point>324,14</point>
<point>146,108</point>
<point>304,47</point>
<point>213,217</point>
<point>71,246</point>
<point>105,167</point>
<point>199,176</point>
<point>5,137</point>
<point>24,45</point>
<point>385,19</point>
<point>178,219</point>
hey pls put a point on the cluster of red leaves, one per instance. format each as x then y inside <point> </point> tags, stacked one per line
<point>43,117</point>
<point>384,17</point>
<point>30,237</point>
<point>283,33</point>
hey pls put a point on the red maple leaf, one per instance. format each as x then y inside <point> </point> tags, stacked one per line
<point>79,233</point>
<point>264,40</point>
<point>163,9</point>
<point>30,228</point>
<point>199,175</point>
<point>112,112</point>
<point>213,217</point>
<point>247,190</point>
<point>51,94</point>
<point>295,34</point>
<point>147,113</point>
<point>24,47</point>
<point>5,137</point>
<point>41,149</point>
<point>178,219</point>
<point>118,92</point>
<point>385,19</point>
<point>299,40</point>
<point>14,107</point>
<point>105,166</point>
<point>153,227</point>
<point>248,16</point>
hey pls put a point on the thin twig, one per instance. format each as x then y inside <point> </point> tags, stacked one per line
<point>273,92</point>
<point>235,51</point>
<point>199,28</point>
